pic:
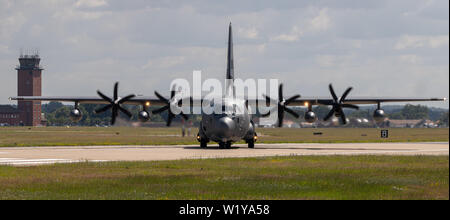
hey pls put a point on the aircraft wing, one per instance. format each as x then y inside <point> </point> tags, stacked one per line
<point>304,101</point>
<point>138,100</point>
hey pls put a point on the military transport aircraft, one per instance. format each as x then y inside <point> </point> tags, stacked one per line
<point>230,125</point>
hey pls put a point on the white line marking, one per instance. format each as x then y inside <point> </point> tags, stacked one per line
<point>22,161</point>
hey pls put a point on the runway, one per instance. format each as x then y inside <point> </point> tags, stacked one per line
<point>29,156</point>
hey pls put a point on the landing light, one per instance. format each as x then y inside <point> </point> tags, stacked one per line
<point>306,104</point>
<point>147,104</point>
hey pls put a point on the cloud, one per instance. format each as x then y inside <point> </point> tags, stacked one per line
<point>249,33</point>
<point>293,36</point>
<point>90,3</point>
<point>164,62</point>
<point>379,47</point>
<point>410,58</point>
<point>415,41</point>
<point>321,22</point>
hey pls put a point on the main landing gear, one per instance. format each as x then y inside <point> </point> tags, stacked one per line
<point>251,142</point>
<point>203,142</point>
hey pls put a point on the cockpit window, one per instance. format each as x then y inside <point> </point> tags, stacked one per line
<point>226,108</point>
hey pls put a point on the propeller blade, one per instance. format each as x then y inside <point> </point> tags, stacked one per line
<point>330,87</point>
<point>114,115</point>
<point>169,119</point>
<point>346,93</point>
<point>172,92</point>
<point>344,119</point>
<point>115,104</point>
<point>157,111</point>
<point>293,98</point>
<point>329,114</point>
<point>104,108</point>
<point>125,111</point>
<point>280,117</point>
<point>106,98</point>
<point>338,104</point>
<point>116,88</point>
<point>292,112</point>
<point>280,92</point>
<point>170,115</point>
<point>160,97</point>
<point>126,98</point>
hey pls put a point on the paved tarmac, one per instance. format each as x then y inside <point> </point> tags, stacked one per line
<point>29,156</point>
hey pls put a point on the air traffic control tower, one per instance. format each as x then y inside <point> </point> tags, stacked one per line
<point>29,84</point>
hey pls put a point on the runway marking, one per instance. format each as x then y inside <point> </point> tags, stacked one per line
<point>24,162</point>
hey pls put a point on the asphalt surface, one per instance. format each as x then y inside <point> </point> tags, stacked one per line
<point>29,156</point>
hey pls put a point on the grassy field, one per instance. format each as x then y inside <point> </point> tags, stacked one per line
<point>62,136</point>
<point>305,177</point>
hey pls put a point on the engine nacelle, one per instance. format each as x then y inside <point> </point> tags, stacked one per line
<point>379,115</point>
<point>75,115</point>
<point>310,117</point>
<point>143,116</point>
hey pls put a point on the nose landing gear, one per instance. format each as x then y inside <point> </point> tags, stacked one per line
<point>225,145</point>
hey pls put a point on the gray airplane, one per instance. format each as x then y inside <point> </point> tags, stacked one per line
<point>234,122</point>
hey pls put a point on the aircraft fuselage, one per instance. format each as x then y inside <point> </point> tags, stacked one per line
<point>230,122</point>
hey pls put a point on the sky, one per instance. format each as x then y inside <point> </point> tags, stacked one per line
<point>381,48</point>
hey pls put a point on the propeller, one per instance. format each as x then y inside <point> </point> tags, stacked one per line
<point>282,105</point>
<point>169,102</point>
<point>338,104</point>
<point>114,104</point>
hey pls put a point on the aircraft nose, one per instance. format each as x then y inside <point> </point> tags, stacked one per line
<point>225,126</point>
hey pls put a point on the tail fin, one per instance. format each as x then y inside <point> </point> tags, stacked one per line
<point>230,63</point>
<point>230,90</point>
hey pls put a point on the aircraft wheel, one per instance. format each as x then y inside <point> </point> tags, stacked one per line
<point>203,144</point>
<point>222,145</point>
<point>251,144</point>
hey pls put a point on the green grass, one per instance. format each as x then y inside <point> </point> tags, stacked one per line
<point>62,136</point>
<point>301,177</point>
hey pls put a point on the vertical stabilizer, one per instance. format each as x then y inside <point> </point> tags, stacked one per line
<point>230,63</point>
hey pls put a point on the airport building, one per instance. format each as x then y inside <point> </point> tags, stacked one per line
<point>29,82</point>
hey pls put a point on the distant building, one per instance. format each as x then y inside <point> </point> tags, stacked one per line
<point>420,123</point>
<point>9,115</point>
<point>29,79</point>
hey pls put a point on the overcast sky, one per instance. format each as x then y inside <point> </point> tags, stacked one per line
<point>381,48</point>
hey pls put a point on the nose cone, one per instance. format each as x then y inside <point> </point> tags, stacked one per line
<point>225,127</point>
